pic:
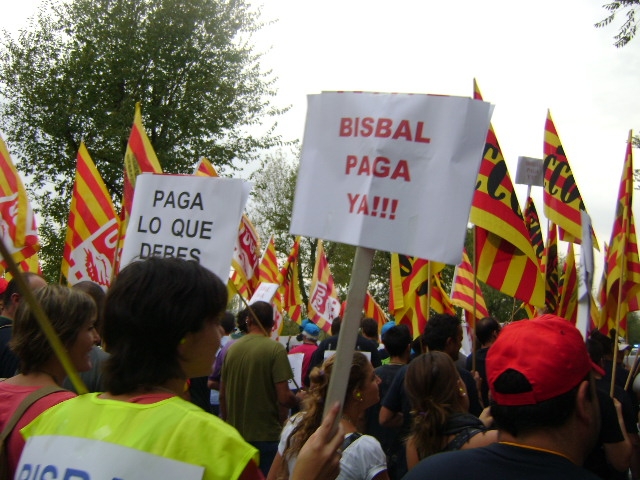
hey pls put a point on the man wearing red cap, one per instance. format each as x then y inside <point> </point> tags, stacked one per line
<point>544,405</point>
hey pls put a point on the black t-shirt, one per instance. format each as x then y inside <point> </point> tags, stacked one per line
<point>8,361</point>
<point>498,462</point>
<point>481,357</point>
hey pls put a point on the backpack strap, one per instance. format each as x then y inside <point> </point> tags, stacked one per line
<point>349,440</point>
<point>29,400</point>
<point>461,438</point>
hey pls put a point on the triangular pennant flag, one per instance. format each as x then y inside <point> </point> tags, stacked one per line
<point>92,229</point>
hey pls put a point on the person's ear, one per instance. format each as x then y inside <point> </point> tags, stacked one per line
<point>586,398</point>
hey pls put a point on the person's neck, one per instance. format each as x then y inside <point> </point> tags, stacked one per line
<point>174,386</point>
<point>351,418</point>
<point>44,376</point>
<point>548,440</point>
<point>397,361</point>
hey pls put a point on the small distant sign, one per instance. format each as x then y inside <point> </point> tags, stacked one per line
<point>530,171</point>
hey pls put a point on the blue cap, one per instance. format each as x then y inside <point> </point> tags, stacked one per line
<point>311,330</point>
<point>386,327</point>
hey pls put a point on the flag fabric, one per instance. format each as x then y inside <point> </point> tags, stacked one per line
<point>268,272</point>
<point>324,305</point>
<point>92,229</point>
<point>409,288</point>
<point>204,168</point>
<point>17,221</point>
<point>246,259</point>
<point>568,304</point>
<point>550,269</point>
<point>289,286</point>
<point>138,158</point>
<point>562,199</point>
<point>373,310</point>
<point>462,291</point>
<point>532,221</point>
<point>623,264</point>
<point>505,258</point>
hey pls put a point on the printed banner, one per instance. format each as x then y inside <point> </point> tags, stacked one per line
<point>184,216</point>
<point>374,165</point>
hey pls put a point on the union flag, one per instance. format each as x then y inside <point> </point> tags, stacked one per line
<point>92,229</point>
<point>324,304</point>
<point>505,258</point>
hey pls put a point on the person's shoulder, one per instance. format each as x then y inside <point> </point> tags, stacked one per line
<point>366,344</point>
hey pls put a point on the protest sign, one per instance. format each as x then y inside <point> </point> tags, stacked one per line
<point>530,171</point>
<point>264,293</point>
<point>195,218</point>
<point>392,172</point>
<point>295,360</point>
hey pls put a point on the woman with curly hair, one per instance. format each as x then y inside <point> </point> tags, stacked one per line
<point>440,408</point>
<point>362,455</point>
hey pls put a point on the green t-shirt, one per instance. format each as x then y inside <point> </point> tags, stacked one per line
<point>252,367</point>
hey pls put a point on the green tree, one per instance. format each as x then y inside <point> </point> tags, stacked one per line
<point>628,28</point>
<point>79,69</point>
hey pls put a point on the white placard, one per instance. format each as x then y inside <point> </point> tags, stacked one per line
<point>295,360</point>
<point>392,172</point>
<point>530,171</point>
<point>83,459</point>
<point>264,293</point>
<point>184,216</point>
<point>331,353</point>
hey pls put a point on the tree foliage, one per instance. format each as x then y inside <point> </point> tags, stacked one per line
<point>78,70</point>
<point>627,30</point>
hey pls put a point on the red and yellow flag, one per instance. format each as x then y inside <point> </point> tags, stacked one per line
<point>532,221</point>
<point>17,221</point>
<point>373,310</point>
<point>550,269</point>
<point>289,286</point>
<point>623,264</point>
<point>138,158</point>
<point>268,273</point>
<point>246,258</point>
<point>568,305</point>
<point>462,289</point>
<point>505,258</point>
<point>324,304</point>
<point>92,229</point>
<point>204,168</point>
<point>562,199</point>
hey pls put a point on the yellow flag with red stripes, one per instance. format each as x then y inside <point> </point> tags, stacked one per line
<point>324,304</point>
<point>289,285</point>
<point>568,304</point>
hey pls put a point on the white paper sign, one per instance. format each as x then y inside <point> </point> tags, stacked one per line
<point>392,172</point>
<point>530,171</point>
<point>295,360</point>
<point>58,457</point>
<point>264,292</point>
<point>195,218</point>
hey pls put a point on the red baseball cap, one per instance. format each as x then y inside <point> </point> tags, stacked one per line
<point>548,350</point>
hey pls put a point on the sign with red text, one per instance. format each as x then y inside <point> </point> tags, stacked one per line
<point>392,172</point>
<point>184,216</point>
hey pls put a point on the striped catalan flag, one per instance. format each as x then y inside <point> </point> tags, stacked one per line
<point>17,221</point>
<point>289,285</point>
<point>92,229</point>
<point>462,291</point>
<point>568,304</point>
<point>505,258</point>
<point>373,310</point>
<point>268,272</point>
<point>204,168</point>
<point>550,269</point>
<point>562,199</point>
<point>138,158</point>
<point>324,304</point>
<point>532,221</point>
<point>623,264</point>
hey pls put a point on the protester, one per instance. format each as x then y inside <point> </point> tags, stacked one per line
<point>11,298</point>
<point>397,342</point>
<point>440,408</point>
<point>92,378</point>
<point>544,405</point>
<point>487,331</point>
<point>228,324</point>
<point>254,389</point>
<point>385,358</point>
<point>310,333</point>
<point>362,456</point>
<point>72,315</point>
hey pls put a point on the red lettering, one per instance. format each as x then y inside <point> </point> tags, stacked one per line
<point>383,128</point>
<point>346,127</point>
<point>403,130</point>
<point>365,168</point>
<point>352,161</point>
<point>352,201</point>
<point>367,126</point>
<point>381,167</point>
<point>364,207</point>
<point>401,171</point>
<point>419,137</point>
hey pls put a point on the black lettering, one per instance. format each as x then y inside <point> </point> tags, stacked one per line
<point>207,227</point>
<point>157,196</point>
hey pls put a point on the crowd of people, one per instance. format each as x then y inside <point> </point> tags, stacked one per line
<point>533,401</point>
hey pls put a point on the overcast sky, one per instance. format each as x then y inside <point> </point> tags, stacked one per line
<point>527,58</point>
